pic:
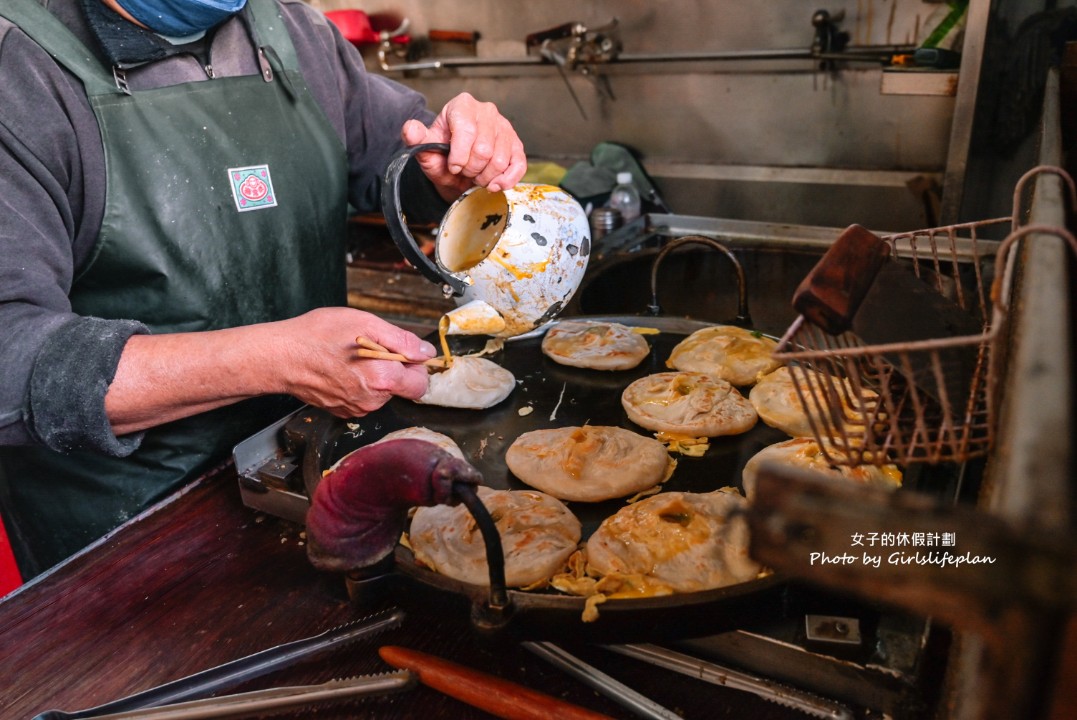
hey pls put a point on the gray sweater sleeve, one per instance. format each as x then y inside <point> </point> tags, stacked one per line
<point>81,353</point>
<point>55,367</point>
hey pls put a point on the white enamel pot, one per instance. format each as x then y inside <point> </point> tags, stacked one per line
<point>511,259</point>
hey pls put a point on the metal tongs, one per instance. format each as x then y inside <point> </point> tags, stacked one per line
<point>775,692</point>
<point>188,697</point>
<point>644,707</point>
<point>262,702</point>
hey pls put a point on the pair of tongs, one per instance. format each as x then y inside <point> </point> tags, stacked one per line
<point>188,698</point>
<point>644,707</point>
<point>794,698</point>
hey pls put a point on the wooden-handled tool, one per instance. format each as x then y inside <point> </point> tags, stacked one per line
<point>857,286</point>
<point>372,350</point>
<point>831,293</point>
<point>501,698</point>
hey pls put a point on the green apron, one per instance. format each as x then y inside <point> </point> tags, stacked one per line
<point>226,205</point>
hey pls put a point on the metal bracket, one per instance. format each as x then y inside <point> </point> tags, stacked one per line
<point>831,629</point>
<point>583,49</point>
<point>119,76</point>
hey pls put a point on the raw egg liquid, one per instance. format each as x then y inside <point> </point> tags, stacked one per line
<point>443,329</point>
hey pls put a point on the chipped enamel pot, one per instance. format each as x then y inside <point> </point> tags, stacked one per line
<point>512,259</point>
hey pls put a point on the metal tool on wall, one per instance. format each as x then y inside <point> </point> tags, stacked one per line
<point>574,46</point>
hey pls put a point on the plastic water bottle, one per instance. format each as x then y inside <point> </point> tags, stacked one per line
<point>625,197</point>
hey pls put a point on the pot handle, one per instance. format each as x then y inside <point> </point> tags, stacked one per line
<point>398,229</point>
<point>495,554</point>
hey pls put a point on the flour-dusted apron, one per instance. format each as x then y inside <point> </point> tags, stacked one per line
<point>225,205</point>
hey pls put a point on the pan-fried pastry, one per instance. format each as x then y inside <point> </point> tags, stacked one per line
<point>688,403</point>
<point>417,432</point>
<point>538,533</point>
<point>806,453</point>
<point>687,541</point>
<point>727,352</point>
<point>775,399</point>
<point>589,463</point>
<point>470,382</point>
<point>595,345</point>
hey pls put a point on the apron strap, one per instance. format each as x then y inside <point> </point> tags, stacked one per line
<point>268,30</point>
<point>57,40</point>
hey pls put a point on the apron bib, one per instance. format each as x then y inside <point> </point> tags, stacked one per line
<point>225,205</point>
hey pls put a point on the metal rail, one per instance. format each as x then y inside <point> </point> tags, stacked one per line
<point>870,54</point>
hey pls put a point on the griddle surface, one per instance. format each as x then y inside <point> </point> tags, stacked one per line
<point>550,395</point>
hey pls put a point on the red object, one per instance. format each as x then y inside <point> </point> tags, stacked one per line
<point>501,698</point>
<point>356,27</point>
<point>360,508</point>
<point>10,578</point>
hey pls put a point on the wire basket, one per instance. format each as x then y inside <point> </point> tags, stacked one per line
<point>931,400</point>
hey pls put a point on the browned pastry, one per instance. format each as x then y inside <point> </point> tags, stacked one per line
<point>724,351</point>
<point>589,463</point>
<point>537,534</point>
<point>595,345</point>
<point>806,453</point>
<point>685,541</point>
<point>688,403</point>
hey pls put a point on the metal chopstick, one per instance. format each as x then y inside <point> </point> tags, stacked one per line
<point>260,702</point>
<point>727,677</point>
<point>594,678</point>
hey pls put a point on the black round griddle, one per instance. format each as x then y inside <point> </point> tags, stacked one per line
<point>552,395</point>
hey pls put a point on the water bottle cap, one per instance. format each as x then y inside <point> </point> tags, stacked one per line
<point>624,178</point>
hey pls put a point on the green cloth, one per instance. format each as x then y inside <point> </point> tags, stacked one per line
<point>592,181</point>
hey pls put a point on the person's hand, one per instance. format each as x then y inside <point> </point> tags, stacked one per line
<point>320,366</point>
<point>484,149</point>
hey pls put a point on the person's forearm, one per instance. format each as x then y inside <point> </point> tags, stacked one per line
<point>162,378</point>
<point>312,357</point>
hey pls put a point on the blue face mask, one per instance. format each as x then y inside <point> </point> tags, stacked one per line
<point>180,18</point>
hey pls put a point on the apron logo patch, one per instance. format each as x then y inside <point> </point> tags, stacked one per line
<point>252,187</point>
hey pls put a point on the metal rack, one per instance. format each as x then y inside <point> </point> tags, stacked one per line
<point>897,402</point>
